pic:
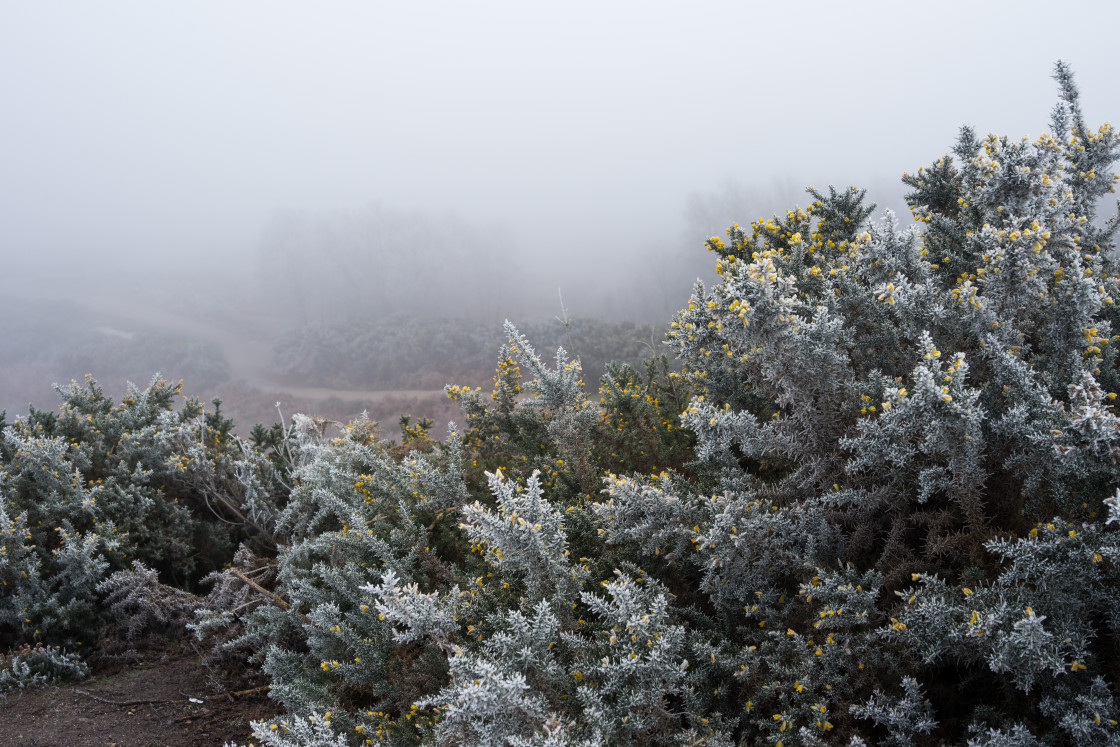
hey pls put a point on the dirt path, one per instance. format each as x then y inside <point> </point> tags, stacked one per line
<point>164,698</point>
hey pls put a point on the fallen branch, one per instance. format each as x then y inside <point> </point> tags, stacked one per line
<point>125,703</point>
<point>280,601</point>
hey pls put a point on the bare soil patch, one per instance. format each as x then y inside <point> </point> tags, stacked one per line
<point>161,696</point>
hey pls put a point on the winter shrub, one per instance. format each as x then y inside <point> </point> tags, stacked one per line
<point>142,605</point>
<point>896,526</point>
<point>99,486</point>
<point>38,666</point>
<point>920,404</point>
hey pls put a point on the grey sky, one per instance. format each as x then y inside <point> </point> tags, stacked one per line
<point>172,131</point>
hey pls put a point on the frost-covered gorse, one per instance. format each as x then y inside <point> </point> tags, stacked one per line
<point>877,504</point>
<point>895,528</point>
<point>100,497</point>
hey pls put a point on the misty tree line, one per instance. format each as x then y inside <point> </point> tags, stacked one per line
<point>380,262</point>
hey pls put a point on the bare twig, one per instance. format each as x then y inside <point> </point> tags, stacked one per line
<point>190,716</point>
<point>438,517</point>
<point>287,427</point>
<point>567,325</point>
<point>251,691</point>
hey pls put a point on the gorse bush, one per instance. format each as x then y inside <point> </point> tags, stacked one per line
<point>914,406</point>
<point>894,528</point>
<point>403,579</point>
<point>35,666</point>
<point>99,486</point>
<point>875,504</point>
